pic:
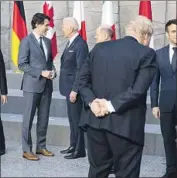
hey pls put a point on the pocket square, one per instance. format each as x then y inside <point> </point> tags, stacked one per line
<point>70,51</point>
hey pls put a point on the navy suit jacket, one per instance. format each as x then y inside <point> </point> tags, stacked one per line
<point>72,60</point>
<point>120,71</point>
<point>166,98</point>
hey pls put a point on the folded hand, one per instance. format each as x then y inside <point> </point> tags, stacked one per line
<point>99,107</point>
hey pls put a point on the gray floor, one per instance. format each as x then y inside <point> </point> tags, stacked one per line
<point>13,165</point>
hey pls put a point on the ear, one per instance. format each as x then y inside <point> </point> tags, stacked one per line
<point>71,29</point>
<point>166,34</point>
<point>105,36</point>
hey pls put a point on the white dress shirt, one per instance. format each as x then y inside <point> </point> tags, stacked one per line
<point>73,38</point>
<point>43,43</point>
<point>171,52</point>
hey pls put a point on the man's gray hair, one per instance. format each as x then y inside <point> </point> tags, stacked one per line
<point>141,26</point>
<point>72,21</point>
<point>107,29</point>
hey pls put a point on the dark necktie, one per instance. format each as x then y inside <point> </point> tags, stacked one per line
<point>41,45</point>
<point>67,45</point>
<point>173,63</point>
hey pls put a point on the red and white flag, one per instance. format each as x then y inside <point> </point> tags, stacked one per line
<point>146,10</point>
<point>51,34</point>
<point>107,16</point>
<point>78,14</point>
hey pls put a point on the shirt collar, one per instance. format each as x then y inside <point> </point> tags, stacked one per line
<point>73,38</point>
<point>36,35</point>
<point>171,46</point>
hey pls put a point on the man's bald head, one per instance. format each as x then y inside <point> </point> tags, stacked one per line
<point>70,26</point>
<point>104,33</point>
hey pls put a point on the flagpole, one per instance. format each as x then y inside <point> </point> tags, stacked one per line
<point>118,13</point>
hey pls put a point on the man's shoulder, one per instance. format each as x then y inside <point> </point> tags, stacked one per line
<point>158,51</point>
<point>80,43</point>
<point>26,38</point>
<point>80,40</point>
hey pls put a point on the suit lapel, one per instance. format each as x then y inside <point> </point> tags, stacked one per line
<point>66,50</point>
<point>37,45</point>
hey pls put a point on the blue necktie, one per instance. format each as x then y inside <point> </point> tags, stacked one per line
<point>173,63</point>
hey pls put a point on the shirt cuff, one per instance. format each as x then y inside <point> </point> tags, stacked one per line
<point>110,106</point>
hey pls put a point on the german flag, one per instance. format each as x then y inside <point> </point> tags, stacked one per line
<point>19,29</point>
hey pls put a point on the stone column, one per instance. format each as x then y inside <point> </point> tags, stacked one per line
<point>5,32</point>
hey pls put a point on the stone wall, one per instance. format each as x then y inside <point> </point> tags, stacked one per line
<point>124,11</point>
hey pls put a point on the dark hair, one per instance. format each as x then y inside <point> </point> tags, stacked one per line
<point>39,18</point>
<point>170,22</point>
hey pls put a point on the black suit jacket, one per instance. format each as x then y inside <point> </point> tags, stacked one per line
<point>120,71</point>
<point>167,98</point>
<point>3,81</point>
<point>72,59</point>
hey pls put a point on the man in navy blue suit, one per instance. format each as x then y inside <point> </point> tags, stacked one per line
<point>72,59</point>
<point>165,106</point>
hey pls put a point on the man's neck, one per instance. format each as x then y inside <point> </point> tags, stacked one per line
<point>36,32</point>
<point>72,35</point>
<point>173,44</point>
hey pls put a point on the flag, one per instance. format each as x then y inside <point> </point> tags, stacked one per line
<point>51,34</point>
<point>146,10</point>
<point>107,16</point>
<point>78,14</point>
<point>19,29</point>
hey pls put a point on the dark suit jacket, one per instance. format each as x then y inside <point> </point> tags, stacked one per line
<point>72,59</point>
<point>167,98</point>
<point>120,71</point>
<point>32,62</point>
<point>3,81</point>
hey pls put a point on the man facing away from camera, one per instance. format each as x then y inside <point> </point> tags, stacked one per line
<point>114,83</point>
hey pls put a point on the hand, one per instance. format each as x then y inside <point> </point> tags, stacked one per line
<point>73,97</point>
<point>53,74</point>
<point>4,99</point>
<point>46,74</point>
<point>99,107</point>
<point>156,112</point>
<point>103,106</point>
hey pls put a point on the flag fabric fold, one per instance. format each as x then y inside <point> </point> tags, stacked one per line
<point>78,14</point>
<point>107,16</point>
<point>19,29</point>
<point>51,34</point>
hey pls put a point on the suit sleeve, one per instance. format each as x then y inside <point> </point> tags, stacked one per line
<point>51,58</point>
<point>81,56</point>
<point>86,82</point>
<point>154,89</point>
<point>23,60</point>
<point>3,80</point>
<point>142,82</point>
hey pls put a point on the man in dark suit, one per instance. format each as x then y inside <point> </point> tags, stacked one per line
<point>114,83</point>
<point>166,107</point>
<point>3,93</point>
<point>35,59</point>
<point>72,59</point>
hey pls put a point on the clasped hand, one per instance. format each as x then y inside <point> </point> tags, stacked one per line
<point>99,107</point>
